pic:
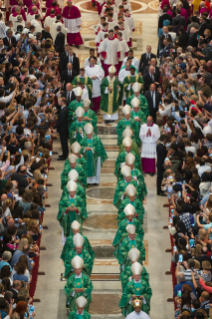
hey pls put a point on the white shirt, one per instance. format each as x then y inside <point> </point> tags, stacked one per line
<point>203,169</point>
<point>207,129</point>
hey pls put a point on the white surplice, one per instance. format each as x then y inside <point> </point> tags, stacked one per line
<point>124,49</point>
<point>135,62</point>
<point>149,142</point>
<point>140,315</point>
<point>111,47</point>
<point>49,21</point>
<point>96,70</point>
<point>86,63</point>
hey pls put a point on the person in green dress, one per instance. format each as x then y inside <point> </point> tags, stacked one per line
<point>129,80</point>
<point>85,80</point>
<point>95,154</point>
<point>121,233</point>
<point>136,113</point>
<point>74,105</point>
<point>136,174</point>
<point>134,201</point>
<point>137,288</point>
<point>78,285</point>
<point>80,313</point>
<point>120,191</point>
<point>144,107</point>
<point>69,245</point>
<point>76,130</point>
<point>127,142</point>
<point>127,122</point>
<point>131,241</point>
<point>72,164</point>
<point>71,208</point>
<point>78,242</point>
<point>126,274</point>
<point>110,88</point>
<point>89,115</point>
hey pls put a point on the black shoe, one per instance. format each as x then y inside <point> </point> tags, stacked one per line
<point>61,159</point>
<point>60,156</point>
<point>77,46</point>
<point>161,194</point>
<point>107,121</point>
<point>151,174</point>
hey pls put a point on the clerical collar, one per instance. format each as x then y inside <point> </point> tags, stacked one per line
<point>109,20</point>
<point>81,313</point>
<point>128,16</point>
<point>82,77</point>
<point>78,276</point>
<point>120,39</point>
<point>111,39</point>
<point>71,197</point>
<point>150,125</point>
<point>104,30</point>
<point>132,75</point>
<point>137,281</point>
<point>127,69</point>
<point>92,66</point>
<point>121,29</point>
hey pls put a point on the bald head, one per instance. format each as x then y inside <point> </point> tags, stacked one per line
<point>47,28</point>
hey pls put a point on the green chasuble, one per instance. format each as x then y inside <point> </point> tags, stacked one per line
<point>138,208</point>
<point>122,125</point>
<point>88,262</point>
<point>80,160</point>
<point>120,189</point>
<point>138,176</point>
<point>144,107</point>
<point>131,79</point>
<point>82,179</point>
<point>69,245</point>
<point>71,110</point>
<point>122,233</point>
<point>121,159</point>
<point>138,115</point>
<point>67,217</point>
<point>76,131</point>
<point>126,245</point>
<point>80,192</point>
<point>110,100</point>
<point>93,119</point>
<point>126,276</point>
<point>74,315</point>
<point>134,148</point>
<point>140,288</point>
<point>86,81</point>
<point>74,283</point>
<point>91,156</point>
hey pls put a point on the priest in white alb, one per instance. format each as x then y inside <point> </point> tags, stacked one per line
<point>96,73</point>
<point>72,19</point>
<point>149,134</point>
<point>110,51</point>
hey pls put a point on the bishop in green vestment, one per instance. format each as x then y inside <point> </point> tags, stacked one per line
<point>71,208</point>
<point>89,115</point>
<point>120,191</point>
<point>143,105</point>
<point>126,276</point>
<point>88,261</point>
<point>95,154</point>
<point>127,122</point>
<point>72,108</point>
<point>80,313</point>
<point>85,80</point>
<point>137,114</point>
<point>136,203</point>
<point>76,130</point>
<point>70,164</point>
<point>110,95</point>
<point>78,285</point>
<point>130,80</point>
<point>76,148</point>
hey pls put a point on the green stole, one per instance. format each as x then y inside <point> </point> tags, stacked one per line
<point>127,123</point>
<point>78,316</point>
<point>132,244</point>
<point>78,282</point>
<point>137,288</point>
<point>80,128</point>
<point>135,114</point>
<point>89,157</point>
<point>72,204</point>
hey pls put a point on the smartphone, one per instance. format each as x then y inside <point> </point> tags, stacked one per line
<point>26,135</point>
<point>19,150</point>
<point>48,103</point>
<point>170,220</point>
<point>31,308</point>
<point>197,236</point>
<point>45,176</point>
<point>172,210</point>
<point>32,261</point>
<point>184,182</point>
<point>207,306</point>
<point>2,237</point>
<point>17,237</point>
<point>180,258</point>
<point>50,153</point>
<point>191,242</point>
<point>198,36</point>
<point>41,154</point>
<point>179,293</point>
<point>169,196</point>
<point>40,227</point>
<point>185,109</point>
<point>175,249</point>
<point>47,96</point>
<point>179,194</point>
<point>193,225</point>
<point>25,315</point>
<point>16,219</point>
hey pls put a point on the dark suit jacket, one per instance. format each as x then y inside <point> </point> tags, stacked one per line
<point>166,50</point>
<point>66,77</point>
<point>150,101</point>
<point>76,64</point>
<point>148,80</point>
<point>164,16</point>
<point>180,18</point>
<point>13,41</point>
<point>162,37</point>
<point>144,61</point>
<point>46,35</point>
<point>161,155</point>
<point>202,28</point>
<point>202,258</point>
<point>60,42</point>
<point>157,72</point>
<point>62,121</point>
<point>73,97</point>
<point>192,40</point>
<point>15,293</point>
